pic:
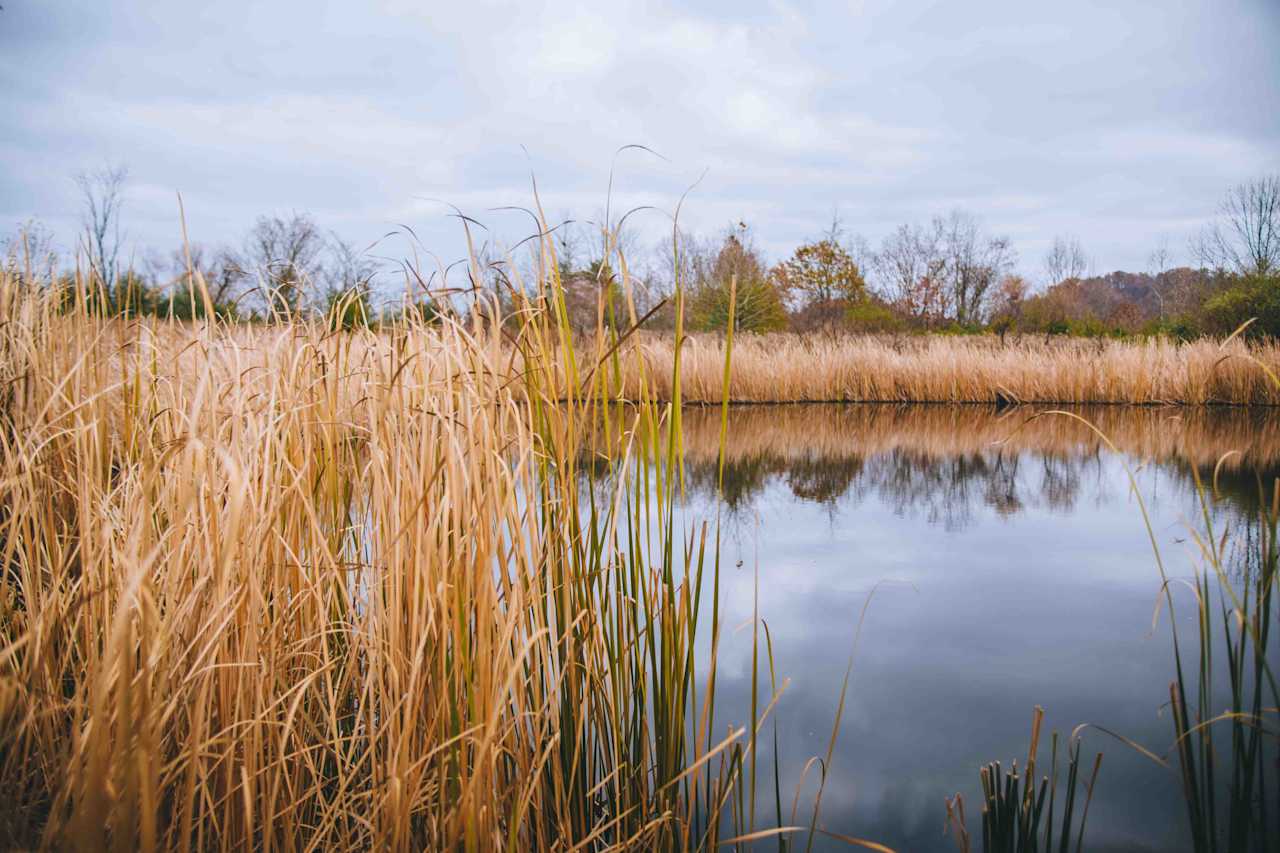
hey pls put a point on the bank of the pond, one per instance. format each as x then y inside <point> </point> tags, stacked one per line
<point>946,369</point>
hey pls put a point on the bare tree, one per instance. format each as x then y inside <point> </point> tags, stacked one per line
<point>861,251</point>
<point>854,245</point>
<point>222,271</point>
<point>225,277</point>
<point>684,260</point>
<point>350,269</point>
<point>912,270</point>
<point>597,265</point>
<point>1157,265</point>
<point>945,269</point>
<point>605,239</point>
<point>568,242</point>
<point>1246,238</point>
<point>1065,260</point>
<point>974,262</point>
<point>102,195</point>
<point>349,283</point>
<point>30,252</point>
<point>285,254</point>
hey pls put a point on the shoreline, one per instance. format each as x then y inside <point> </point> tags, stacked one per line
<point>1009,407</point>
<point>771,369</point>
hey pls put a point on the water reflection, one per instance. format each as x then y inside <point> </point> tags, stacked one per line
<point>940,463</point>
<point>1027,579</point>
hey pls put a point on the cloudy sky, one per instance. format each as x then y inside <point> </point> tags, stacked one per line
<point>1118,121</point>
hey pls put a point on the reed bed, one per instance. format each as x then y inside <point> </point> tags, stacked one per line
<point>293,588</point>
<point>1224,701</point>
<point>945,369</point>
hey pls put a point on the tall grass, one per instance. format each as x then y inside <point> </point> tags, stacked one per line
<point>300,586</point>
<point>1224,702</point>
<point>790,368</point>
<point>1018,816</point>
<point>293,587</point>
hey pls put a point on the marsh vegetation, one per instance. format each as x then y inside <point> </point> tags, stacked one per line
<point>478,579</point>
<point>291,587</point>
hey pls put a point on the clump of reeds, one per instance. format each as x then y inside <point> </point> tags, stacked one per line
<point>1225,702</point>
<point>1018,816</point>
<point>296,587</point>
<point>951,369</point>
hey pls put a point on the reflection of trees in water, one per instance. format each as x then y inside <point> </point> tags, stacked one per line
<point>809,478</point>
<point>942,489</point>
<point>1002,488</point>
<point>1059,481</point>
<point>1239,501</point>
<point>1246,489</point>
<point>742,483</point>
<point>744,480</point>
<point>944,464</point>
<point>949,489</point>
<point>1244,551</point>
<point>823,481</point>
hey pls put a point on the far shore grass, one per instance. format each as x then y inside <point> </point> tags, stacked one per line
<point>1041,370</point>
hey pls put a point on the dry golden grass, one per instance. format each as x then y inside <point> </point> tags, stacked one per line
<point>286,588</point>
<point>290,588</point>
<point>789,368</point>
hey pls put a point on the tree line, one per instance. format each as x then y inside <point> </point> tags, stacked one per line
<point>951,275</point>
<point>948,274</point>
<point>284,266</point>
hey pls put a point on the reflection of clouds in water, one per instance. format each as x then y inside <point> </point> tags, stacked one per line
<point>1033,581</point>
<point>1004,616</point>
<point>1033,578</point>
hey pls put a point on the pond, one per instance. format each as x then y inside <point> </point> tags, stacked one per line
<point>1011,568</point>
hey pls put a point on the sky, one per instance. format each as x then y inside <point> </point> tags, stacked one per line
<point>1120,122</point>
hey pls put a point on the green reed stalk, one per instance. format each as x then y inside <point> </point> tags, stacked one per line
<point>1230,778</point>
<point>1014,817</point>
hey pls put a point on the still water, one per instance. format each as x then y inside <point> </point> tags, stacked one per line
<point>1010,567</point>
